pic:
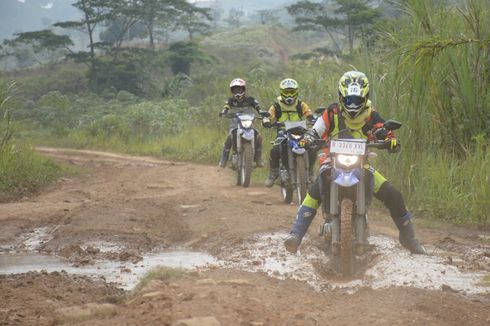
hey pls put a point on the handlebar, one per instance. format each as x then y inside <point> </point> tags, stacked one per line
<point>276,125</point>
<point>234,115</point>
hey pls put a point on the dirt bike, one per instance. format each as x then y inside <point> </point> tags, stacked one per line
<point>345,229</point>
<point>294,174</point>
<point>242,157</point>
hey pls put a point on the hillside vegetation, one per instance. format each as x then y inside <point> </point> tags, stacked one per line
<point>429,68</point>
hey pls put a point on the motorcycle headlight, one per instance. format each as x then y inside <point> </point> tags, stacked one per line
<point>246,123</point>
<point>347,160</point>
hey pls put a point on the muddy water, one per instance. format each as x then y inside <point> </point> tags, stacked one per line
<point>392,265</point>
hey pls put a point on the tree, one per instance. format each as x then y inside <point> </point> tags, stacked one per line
<point>353,18</point>
<point>181,55</point>
<point>234,16</point>
<point>216,13</point>
<point>266,15</point>
<point>359,17</point>
<point>123,17</point>
<point>164,13</point>
<point>194,21</point>
<point>94,12</point>
<point>117,32</point>
<point>41,41</point>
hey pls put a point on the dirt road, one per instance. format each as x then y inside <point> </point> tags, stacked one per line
<point>122,214</point>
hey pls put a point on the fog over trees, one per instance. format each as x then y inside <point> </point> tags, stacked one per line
<point>17,16</point>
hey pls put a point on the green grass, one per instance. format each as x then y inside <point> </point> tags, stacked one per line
<point>23,171</point>
<point>160,273</point>
<point>485,281</point>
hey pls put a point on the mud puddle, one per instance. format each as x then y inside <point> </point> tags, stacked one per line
<point>125,275</point>
<point>24,256</point>
<point>391,266</point>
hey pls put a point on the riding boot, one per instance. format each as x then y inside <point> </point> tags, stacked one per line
<point>258,156</point>
<point>407,235</point>
<point>304,218</point>
<point>273,174</point>
<point>224,157</point>
<point>271,178</point>
<point>311,174</point>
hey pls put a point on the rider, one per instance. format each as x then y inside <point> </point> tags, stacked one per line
<point>240,102</point>
<point>355,115</point>
<point>287,108</point>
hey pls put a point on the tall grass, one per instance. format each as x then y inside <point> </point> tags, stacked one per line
<point>21,170</point>
<point>434,76</point>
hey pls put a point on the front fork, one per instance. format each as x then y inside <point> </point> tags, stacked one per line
<point>239,134</point>
<point>292,168</point>
<point>330,229</point>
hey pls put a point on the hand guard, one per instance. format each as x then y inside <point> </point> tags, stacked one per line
<point>266,123</point>
<point>393,145</point>
<point>224,112</point>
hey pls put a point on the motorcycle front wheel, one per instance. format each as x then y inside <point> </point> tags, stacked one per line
<point>246,164</point>
<point>286,192</point>
<point>346,247</point>
<point>301,188</point>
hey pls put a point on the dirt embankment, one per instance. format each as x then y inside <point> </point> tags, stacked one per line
<point>121,208</point>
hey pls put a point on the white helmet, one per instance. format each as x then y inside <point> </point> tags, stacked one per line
<point>238,88</point>
<point>289,90</point>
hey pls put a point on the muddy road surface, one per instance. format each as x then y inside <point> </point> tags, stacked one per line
<point>76,254</point>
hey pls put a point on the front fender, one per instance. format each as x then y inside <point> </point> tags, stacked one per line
<point>346,178</point>
<point>247,134</point>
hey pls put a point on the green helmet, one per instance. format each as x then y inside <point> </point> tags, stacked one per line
<point>353,93</point>
<point>289,90</point>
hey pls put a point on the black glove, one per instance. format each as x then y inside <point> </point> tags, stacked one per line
<point>264,114</point>
<point>224,112</point>
<point>311,119</point>
<point>310,137</point>
<point>381,133</point>
<point>266,123</point>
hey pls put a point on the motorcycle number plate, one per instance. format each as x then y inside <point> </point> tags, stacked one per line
<point>349,147</point>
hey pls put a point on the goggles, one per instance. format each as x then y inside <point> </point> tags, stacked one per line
<point>237,89</point>
<point>353,102</point>
<point>289,92</point>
